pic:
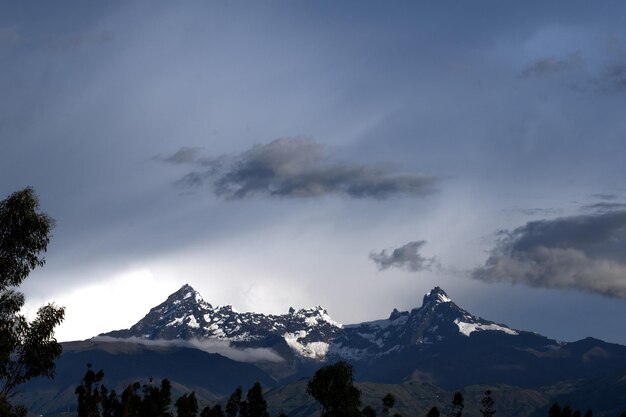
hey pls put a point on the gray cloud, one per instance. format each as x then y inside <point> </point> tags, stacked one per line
<point>615,76</point>
<point>221,347</point>
<point>552,64</point>
<point>295,167</point>
<point>609,77</point>
<point>605,196</point>
<point>535,211</point>
<point>586,252</point>
<point>184,155</point>
<point>405,257</point>
<point>605,206</point>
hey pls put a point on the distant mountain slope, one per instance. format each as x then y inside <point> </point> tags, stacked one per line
<point>604,396</point>
<point>413,399</point>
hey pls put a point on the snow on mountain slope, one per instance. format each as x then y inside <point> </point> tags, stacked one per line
<point>185,315</point>
<point>309,333</point>
<point>439,319</point>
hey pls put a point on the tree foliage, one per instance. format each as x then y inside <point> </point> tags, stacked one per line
<point>255,405</point>
<point>187,405</point>
<point>333,387</point>
<point>27,350</point>
<point>212,412</point>
<point>148,400</point>
<point>433,412</point>
<point>388,402</point>
<point>487,404</point>
<point>368,411</point>
<point>232,406</point>
<point>89,394</point>
<point>456,410</point>
<point>555,410</point>
<point>567,411</point>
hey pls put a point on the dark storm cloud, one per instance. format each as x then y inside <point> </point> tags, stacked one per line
<point>295,167</point>
<point>552,64</point>
<point>405,257</point>
<point>585,252</point>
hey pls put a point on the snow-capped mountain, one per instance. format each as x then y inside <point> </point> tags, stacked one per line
<point>438,343</point>
<point>185,315</point>
<point>310,333</point>
<point>438,319</point>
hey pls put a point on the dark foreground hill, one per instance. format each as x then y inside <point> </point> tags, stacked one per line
<point>606,397</point>
<point>413,398</point>
<point>210,375</point>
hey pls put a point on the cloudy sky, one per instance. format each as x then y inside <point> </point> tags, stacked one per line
<point>352,155</point>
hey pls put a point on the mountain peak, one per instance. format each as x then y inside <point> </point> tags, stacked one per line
<point>186,288</point>
<point>436,296</point>
<point>185,292</point>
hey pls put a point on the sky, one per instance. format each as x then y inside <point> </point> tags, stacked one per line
<point>350,154</point>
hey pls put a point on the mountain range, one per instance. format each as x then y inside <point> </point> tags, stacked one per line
<point>438,346</point>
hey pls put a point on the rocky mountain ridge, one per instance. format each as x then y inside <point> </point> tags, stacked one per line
<point>309,333</point>
<point>185,315</point>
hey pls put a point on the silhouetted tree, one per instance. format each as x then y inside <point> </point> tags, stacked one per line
<point>487,403</point>
<point>156,399</point>
<point>8,410</point>
<point>388,402</point>
<point>283,414</point>
<point>217,411</point>
<point>433,412</point>
<point>148,400</point>
<point>333,387</point>
<point>232,406</point>
<point>27,350</point>
<point>589,413</point>
<point>111,405</point>
<point>576,413</point>
<point>368,412</point>
<point>457,405</point>
<point>255,405</point>
<point>212,412</point>
<point>131,401</point>
<point>88,393</point>
<point>567,411</point>
<point>187,405</point>
<point>555,410</point>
